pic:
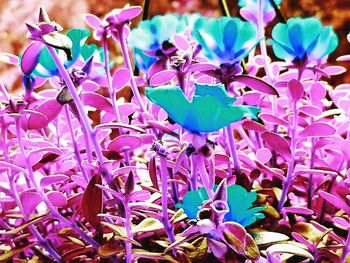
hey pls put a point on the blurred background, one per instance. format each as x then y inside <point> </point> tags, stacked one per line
<point>70,13</point>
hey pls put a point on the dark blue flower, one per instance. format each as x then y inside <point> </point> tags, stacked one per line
<point>302,40</point>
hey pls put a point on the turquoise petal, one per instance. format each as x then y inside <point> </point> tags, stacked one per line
<point>78,37</point>
<point>218,91</point>
<point>192,202</point>
<point>280,35</point>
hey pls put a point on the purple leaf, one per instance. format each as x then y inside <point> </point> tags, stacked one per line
<point>89,85</point>
<point>335,70</point>
<point>277,143</point>
<point>125,143</point>
<point>317,129</point>
<point>298,210</point>
<point>296,89</point>
<point>57,198</point>
<point>263,155</point>
<point>336,201</point>
<point>162,77</point>
<point>30,57</point>
<point>50,108</point>
<point>256,84</point>
<point>120,78</point>
<point>254,126</point>
<point>342,221</point>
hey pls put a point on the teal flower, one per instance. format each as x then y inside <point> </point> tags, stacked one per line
<point>302,40</point>
<point>225,40</point>
<point>239,200</point>
<point>42,62</point>
<point>210,110</point>
<point>150,39</point>
<point>250,10</point>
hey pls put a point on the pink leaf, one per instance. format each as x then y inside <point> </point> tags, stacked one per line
<point>57,198</point>
<point>93,21</point>
<point>341,221</point>
<point>335,70</point>
<point>120,78</point>
<point>254,126</point>
<point>89,85</point>
<point>96,101</point>
<point>125,143</point>
<point>273,119</point>
<point>298,210</point>
<point>202,66</point>
<point>9,58</point>
<point>317,129</point>
<point>91,203</point>
<point>277,143</point>
<point>336,201</point>
<point>344,58</point>
<point>310,110</point>
<point>296,89</point>
<point>29,200</point>
<point>257,84</point>
<point>50,108</point>
<point>263,155</point>
<point>52,179</point>
<point>162,77</point>
<point>317,92</point>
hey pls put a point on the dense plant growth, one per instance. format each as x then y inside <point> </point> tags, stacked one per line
<point>222,153</point>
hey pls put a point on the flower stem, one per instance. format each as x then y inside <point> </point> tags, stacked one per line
<point>224,8</point>
<point>232,149</point>
<point>126,57</point>
<point>75,145</point>
<point>164,179</point>
<point>128,245</point>
<point>279,14</point>
<point>42,195</point>
<point>85,121</point>
<point>291,162</point>
<point>193,178</point>
<point>204,175</point>
<point>111,90</point>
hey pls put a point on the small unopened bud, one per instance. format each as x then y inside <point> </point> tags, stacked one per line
<point>129,184</point>
<point>158,147</point>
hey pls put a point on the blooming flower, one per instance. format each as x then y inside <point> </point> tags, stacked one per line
<point>302,40</point>
<point>239,202</point>
<point>250,10</point>
<point>210,102</point>
<point>225,40</point>
<point>155,35</point>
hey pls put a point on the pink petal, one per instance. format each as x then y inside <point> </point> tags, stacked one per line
<point>125,143</point>
<point>162,77</point>
<point>257,84</point>
<point>296,89</point>
<point>336,201</point>
<point>30,57</point>
<point>49,109</point>
<point>121,78</point>
<point>9,58</point>
<point>317,129</point>
<point>129,13</point>
<point>57,198</point>
<point>181,42</point>
<point>93,21</point>
<point>277,143</point>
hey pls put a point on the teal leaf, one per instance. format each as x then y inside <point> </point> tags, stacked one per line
<point>210,102</point>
